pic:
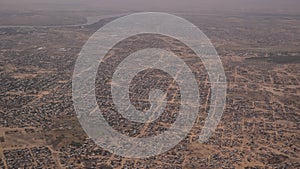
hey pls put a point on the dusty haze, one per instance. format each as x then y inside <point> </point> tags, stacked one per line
<point>269,6</point>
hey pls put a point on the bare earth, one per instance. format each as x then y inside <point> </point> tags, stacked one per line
<point>259,128</point>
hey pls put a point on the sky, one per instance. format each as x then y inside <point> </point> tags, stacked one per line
<point>282,6</point>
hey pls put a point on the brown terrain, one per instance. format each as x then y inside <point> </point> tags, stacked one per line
<point>259,128</point>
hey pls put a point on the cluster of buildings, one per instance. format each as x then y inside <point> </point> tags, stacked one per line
<point>259,127</point>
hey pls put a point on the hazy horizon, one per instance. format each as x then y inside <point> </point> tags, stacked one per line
<point>269,6</point>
